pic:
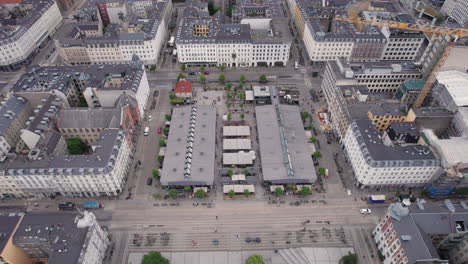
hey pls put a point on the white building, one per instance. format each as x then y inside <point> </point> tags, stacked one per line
<point>253,42</point>
<point>144,35</point>
<point>96,242</point>
<point>457,10</point>
<point>43,174</point>
<point>21,38</point>
<point>379,163</point>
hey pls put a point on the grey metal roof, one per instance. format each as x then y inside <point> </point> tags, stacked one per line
<point>284,155</point>
<point>371,144</point>
<point>9,110</point>
<point>409,128</point>
<point>190,151</point>
<point>7,227</point>
<point>44,114</point>
<point>55,230</point>
<point>419,222</point>
<point>89,118</point>
<point>386,109</point>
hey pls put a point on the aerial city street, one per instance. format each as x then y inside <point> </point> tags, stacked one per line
<point>233,131</point>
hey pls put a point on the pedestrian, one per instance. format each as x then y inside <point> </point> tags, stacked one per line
<point>216,217</point>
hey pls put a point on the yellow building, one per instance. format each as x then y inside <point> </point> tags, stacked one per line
<point>382,115</point>
<point>9,253</point>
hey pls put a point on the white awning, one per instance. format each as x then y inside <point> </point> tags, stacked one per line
<point>238,188</point>
<point>249,96</point>
<point>299,187</point>
<point>238,177</point>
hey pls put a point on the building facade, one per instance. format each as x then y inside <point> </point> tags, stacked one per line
<point>25,28</point>
<point>457,10</point>
<point>377,163</point>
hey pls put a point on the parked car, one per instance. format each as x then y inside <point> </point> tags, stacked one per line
<point>149,118</point>
<point>206,73</point>
<point>192,73</point>
<point>159,130</point>
<point>67,206</point>
<point>146,132</point>
<point>149,181</point>
<point>365,211</point>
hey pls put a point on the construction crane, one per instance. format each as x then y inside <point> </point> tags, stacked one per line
<point>454,33</point>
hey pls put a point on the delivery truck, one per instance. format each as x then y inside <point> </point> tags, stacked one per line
<point>377,198</point>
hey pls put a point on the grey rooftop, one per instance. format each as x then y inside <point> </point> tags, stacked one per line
<point>371,144</point>
<point>89,118</point>
<point>284,154</point>
<point>8,223</point>
<point>190,151</point>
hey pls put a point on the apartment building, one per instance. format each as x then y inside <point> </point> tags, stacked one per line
<point>381,76</point>
<point>423,233</point>
<point>144,33</point>
<point>254,41</point>
<point>45,173</point>
<point>41,121</point>
<point>383,115</point>
<point>379,162</point>
<point>457,10</point>
<point>402,45</point>
<point>26,25</point>
<point>91,85</point>
<point>9,253</point>
<point>62,238</point>
<point>14,112</point>
<point>88,123</point>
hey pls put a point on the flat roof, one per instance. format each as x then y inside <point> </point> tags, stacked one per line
<point>236,131</point>
<point>455,83</point>
<point>237,144</point>
<point>282,139</point>
<point>239,158</point>
<point>8,225</point>
<point>190,150</point>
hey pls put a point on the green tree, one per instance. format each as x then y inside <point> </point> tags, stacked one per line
<point>153,67</point>
<point>222,78</point>
<point>76,146</point>
<point>202,68</point>
<point>350,259</point>
<point>310,126</point>
<point>229,116</point>
<point>231,193</point>
<point>222,67</point>
<point>305,191</point>
<point>229,95</point>
<point>187,188</point>
<point>228,105</point>
<point>241,95</point>
<point>202,78</point>
<point>255,259</point>
<point>165,130</point>
<point>242,116</point>
<point>290,187</point>
<point>263,78</point>
<point>241,105</point>
<point>183,67</point>
<point>230,172</point>
<point>228,86</point>
<point>239,86</point>
<point>180,76</point>
<point>242,78</point>
<point>200,193</point>
<point>171,96</point>
<point>168,117</point>
<point>154,257</point>
<point>172,193</point>
<point>305,115</point>
<point>322,170</point>
<point>313,139</point>
<point>245,172</point>
<point>279,191</point>
<point>162,142</point>
<point>246,192</point>
<point>160,158</point>
<point>155,173</point>
<point>317,154</point>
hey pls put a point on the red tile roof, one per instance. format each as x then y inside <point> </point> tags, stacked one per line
<point>5,2</point>
<point>183,86</point>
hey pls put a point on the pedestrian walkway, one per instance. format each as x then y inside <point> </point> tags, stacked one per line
<point>282,256</point>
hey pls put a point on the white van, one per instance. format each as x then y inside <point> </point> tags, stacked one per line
<point>146,131</point>
<point>296,65</point>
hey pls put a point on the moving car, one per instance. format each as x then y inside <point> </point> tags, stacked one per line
<point>192,73</point>
<point>67,206</point>
<point>149,118</point>
<point>149,181</point>
<point>365,211</point>
<point>206,73</point>
<point>159,130</point>
<point>146,132</point>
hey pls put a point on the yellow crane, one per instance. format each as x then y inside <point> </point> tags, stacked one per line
<point>455,33</point>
